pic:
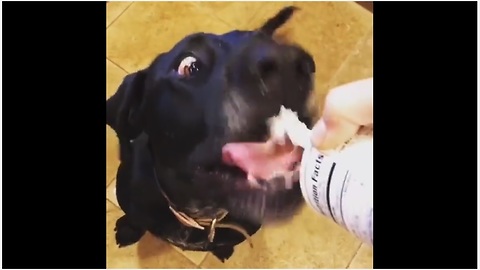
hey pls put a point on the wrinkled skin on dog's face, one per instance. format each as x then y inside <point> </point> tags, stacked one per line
<point>207,91</point>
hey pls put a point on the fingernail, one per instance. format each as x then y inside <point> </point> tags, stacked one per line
<point>319,134</point>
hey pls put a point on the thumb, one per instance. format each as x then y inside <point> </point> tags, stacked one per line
<point>332,133</point>
<point>347,107</point>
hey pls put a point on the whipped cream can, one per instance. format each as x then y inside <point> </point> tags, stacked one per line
<point>340,186</point>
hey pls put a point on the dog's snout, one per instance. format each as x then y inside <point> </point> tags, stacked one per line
<point>270,60</point>
<point>266,66</point>
<point>264,60</point>
<point>300,60</point>
<point>305,62</point>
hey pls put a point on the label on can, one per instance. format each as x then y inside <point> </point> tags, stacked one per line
<point>341,187</point>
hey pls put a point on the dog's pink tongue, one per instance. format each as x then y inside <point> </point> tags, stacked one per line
<point>261,160</point>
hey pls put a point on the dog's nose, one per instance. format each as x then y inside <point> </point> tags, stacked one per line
<point>269,60</point>
<point>266,66</point>
<point>264,60</point>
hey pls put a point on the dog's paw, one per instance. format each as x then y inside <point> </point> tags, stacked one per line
<point>126,234</point>
<point>223,253</point>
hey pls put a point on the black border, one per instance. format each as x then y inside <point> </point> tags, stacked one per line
<point>425,80</point>
<point>54,134</point>
<point>53,127</point>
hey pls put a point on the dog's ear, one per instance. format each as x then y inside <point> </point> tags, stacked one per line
<point>270,26</point>
<point>123,107</point>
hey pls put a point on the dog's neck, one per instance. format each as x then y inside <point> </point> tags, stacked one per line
<point>201,223</point>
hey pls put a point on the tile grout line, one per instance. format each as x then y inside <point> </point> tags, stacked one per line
<point>204,259</point>
<point>350,55</point>
<point>253,17</point>
<point>111,23</point>
<point>110,182</point>
<point>184,255</point>
<point>211,13</point>
<point>354,255</point>
<point>121,13</point>
<point>113,204</point>
<point>328,85</point>
<point>117,65</point>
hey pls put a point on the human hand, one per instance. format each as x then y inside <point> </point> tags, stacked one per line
<point>347,108</point>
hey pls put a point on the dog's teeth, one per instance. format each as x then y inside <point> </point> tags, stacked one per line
<point>276,174</point>
<point>253,182</point>
<point>289,180</point>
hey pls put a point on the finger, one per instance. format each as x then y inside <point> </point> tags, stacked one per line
<point>329,136</point>
<point>347,107</point>
<point>350,102</point>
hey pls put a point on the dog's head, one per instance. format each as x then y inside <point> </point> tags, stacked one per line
<point>209,91</point>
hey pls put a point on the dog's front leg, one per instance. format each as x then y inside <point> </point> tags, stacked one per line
<point>223,253</point>
<point>127,233</point>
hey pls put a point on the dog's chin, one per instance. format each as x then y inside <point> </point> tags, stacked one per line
<point>273,203</point>
<point>272,200</point>
<point>224,174</point>
<point>241,181</point>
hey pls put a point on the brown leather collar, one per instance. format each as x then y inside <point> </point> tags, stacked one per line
<point>203,223</point>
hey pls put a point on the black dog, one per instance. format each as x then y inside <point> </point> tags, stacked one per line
<point>173,120</point>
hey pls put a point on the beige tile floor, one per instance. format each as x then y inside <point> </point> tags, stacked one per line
<point>340,37</point>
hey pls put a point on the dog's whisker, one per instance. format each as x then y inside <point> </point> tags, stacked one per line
<point>263,88</point>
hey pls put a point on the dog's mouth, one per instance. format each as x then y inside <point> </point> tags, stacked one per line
<point>267,180</point>
<point>264,161</point>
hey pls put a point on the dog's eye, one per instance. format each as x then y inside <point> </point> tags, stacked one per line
<point>189,66</point>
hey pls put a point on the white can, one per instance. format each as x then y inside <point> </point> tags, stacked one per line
<point>340,186</point>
